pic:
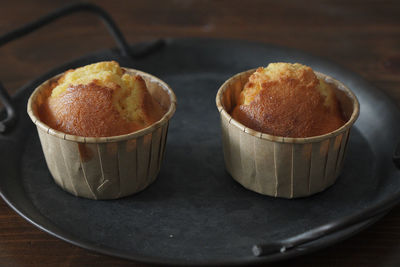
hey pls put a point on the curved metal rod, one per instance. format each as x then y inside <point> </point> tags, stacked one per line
<point>64,11</point>
<point>11,119</point>
<point>299,241</point>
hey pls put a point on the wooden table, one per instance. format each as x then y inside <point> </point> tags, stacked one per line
<point>364,37</point>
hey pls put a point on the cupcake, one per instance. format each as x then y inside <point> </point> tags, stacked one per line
<point>288,100</point>
<point>103,128</point>
<point>285,129</point>
<point>100,100</point>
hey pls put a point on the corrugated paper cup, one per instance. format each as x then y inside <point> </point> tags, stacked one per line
<point>105,167</point>
<point>281,166</point>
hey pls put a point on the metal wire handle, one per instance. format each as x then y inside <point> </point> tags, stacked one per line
<point>300,241</point>
<point>64,11</point>
<point>11,114</point>
<point>9,122</point>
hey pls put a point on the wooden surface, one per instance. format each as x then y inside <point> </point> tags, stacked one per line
<point>362,36</point>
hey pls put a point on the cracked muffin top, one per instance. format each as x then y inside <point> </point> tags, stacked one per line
<point>288,100</point>
<point>99,100</point>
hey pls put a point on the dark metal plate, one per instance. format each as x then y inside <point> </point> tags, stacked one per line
<point>195,213</point>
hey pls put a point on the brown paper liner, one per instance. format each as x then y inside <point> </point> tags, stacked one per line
<point>279,166</point>
<point>106,167</point>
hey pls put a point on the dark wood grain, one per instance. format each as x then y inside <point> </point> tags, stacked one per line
<point>362,36</point>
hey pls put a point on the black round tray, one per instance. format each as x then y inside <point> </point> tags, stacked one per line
<point>195,213</point>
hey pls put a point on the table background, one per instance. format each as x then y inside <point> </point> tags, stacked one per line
<point>363,36</point>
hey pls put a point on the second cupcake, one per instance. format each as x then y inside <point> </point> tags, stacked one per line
<point>285,129</point>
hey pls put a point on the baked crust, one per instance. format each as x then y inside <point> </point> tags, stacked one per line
<point>288,100</point>
<point>115,105</point>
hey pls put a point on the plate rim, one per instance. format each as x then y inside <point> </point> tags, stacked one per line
<point>388,203</point>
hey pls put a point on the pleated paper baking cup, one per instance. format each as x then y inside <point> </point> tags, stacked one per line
<point>105,167</point>
<point>281,166</point>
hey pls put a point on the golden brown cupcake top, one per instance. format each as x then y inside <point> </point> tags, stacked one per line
<point>288,100</point>
<point>100,100</point>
